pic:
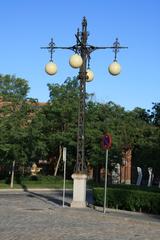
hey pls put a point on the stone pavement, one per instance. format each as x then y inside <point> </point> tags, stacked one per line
<point>30,216</point>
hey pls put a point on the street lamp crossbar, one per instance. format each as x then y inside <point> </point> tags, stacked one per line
<point>73,48</point>
<point>88,48</point>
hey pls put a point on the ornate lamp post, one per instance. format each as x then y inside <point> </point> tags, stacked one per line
<point>81,59</point>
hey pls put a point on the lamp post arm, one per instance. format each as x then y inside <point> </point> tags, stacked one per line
<point>68,48</point>
<point>83,46</point>
<point>93,48</point>
<point>99,48</point>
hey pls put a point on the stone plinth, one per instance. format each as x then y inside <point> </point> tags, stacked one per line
<point>79,190</point>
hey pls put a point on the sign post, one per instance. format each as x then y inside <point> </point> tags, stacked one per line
<point>64,179</point>
<point>105,184</point>
<point>106,144</point>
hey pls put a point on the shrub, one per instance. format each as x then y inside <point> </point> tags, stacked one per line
<point>129,199</point>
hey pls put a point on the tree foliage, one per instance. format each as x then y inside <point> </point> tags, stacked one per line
<point>12,87</point>
<point>29,131</point>
<point>156,114</point>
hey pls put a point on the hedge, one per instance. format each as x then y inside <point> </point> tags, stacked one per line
<point>128,199</point>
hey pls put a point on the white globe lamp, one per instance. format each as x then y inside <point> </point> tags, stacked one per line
<point>90,75</point>
<point>75,61</point>
<point>51,68</point>
<point>114,68</point>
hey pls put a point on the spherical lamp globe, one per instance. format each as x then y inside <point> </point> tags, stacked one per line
<point>90,75</point>
<point>51,68</point>
<point>75,61</point>
<point>114,68</point>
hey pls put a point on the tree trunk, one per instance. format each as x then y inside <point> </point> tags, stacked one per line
<point>12,174</point>
<point>96,174</point>
<point>60,156</point>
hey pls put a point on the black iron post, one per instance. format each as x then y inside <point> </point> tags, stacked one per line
<point>80,161</point>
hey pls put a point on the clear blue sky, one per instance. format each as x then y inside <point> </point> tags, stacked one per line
<point>26,25</point>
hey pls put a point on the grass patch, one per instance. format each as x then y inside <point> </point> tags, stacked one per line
<point>38,182</point>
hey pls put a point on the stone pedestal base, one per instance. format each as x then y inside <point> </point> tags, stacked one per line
<point>79,190</point>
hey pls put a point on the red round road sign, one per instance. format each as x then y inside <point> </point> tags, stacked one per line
<point>106,141</point>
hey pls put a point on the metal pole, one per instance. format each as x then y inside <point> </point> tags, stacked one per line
<point>105,186</point>
<point>64,178</point>
<point>80,162</point>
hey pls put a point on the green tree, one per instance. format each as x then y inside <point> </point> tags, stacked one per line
<point>12,87</point>
<point>61,115</point>
<point>15,116</point>
<point>156,114</point>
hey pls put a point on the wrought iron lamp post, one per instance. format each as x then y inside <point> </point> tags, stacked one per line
<point>81,59</point>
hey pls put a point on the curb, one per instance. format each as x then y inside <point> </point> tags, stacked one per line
<point>119,211</point>
<point>32,189</point>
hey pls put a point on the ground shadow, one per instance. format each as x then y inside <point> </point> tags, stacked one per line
<point>50,199</point>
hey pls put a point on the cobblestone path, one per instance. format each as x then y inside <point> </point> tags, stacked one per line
<point>27,216</point>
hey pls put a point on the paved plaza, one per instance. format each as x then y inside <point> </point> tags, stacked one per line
<point>40,216</point>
